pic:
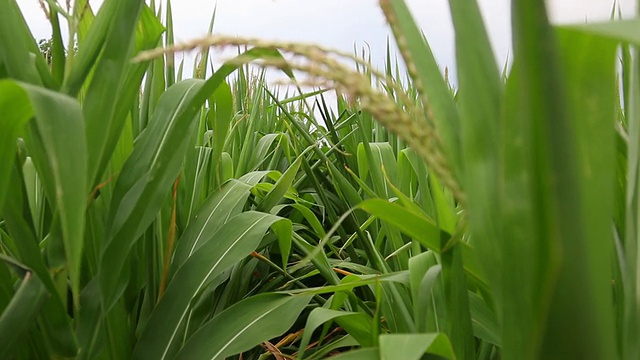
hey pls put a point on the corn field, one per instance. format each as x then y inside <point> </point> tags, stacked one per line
<point>145,216</point>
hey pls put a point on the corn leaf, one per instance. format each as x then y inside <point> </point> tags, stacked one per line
<point>232,242</point>
<point>244,325</point>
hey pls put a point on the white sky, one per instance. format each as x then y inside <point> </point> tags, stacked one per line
<point>345,24</point>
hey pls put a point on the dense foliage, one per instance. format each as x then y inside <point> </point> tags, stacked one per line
<point>217,217</point>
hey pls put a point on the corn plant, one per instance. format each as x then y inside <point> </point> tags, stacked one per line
<point>145,216</point>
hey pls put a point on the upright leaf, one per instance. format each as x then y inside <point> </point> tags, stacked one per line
<point>142,185</point>
<point>426,74</point>
<point>58,149</point>
<point>14,104</point>
<point>19,315</point>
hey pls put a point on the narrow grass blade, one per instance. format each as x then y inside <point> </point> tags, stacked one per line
<point>168,41</point>
<point>84,15</point>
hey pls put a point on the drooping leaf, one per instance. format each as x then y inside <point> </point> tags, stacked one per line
<point>19,315</point>
<point>232,242</point>
<point>244,325</point>
<point>358,325</point>
<point>217,209</point>
<point>418,226</point>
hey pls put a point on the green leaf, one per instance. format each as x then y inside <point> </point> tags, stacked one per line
<point>244,325</point>
<point>425,274</point>
<point>458,326</point>
<point>137,194</point>
<point>427,73</point>
<point>401,277</point>
<point>414,346</point>
<point>217,209</point>
<point>19,53</point>
<point>115,82</point>
<point>418,226</point>
<point>92,33</point>
<point>323,353</point>
<point>622,30</point>
<point>58,56</point>
<point>149,171</point>
<point>358,325</point>
<point>360,354</point>
<point>55,323</point>
<point>58,148</point>
<point>220,116</point>
<point>485,325</point>
<point>281,186</point>
<point>480,98</point>
<point>583,293</point>
<point>231,243</point>
<point>553,273</point>
<point>16,109</point>
<point>19,315</point>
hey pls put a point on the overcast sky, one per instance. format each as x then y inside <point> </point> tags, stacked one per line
<point>344,24</point>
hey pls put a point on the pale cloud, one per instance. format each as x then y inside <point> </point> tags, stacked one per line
<point>346,24</point>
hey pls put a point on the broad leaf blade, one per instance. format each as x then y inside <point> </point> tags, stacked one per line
<point>58,148</point>
<point>414,346</point>
<point>244,325</point>
<point>142,185</point>
<point>217,209</point>
<point>418,226</point>
<point>319,316</point>
<point>19,315</point>
<point>16,109</point>
<point>232,242</point>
